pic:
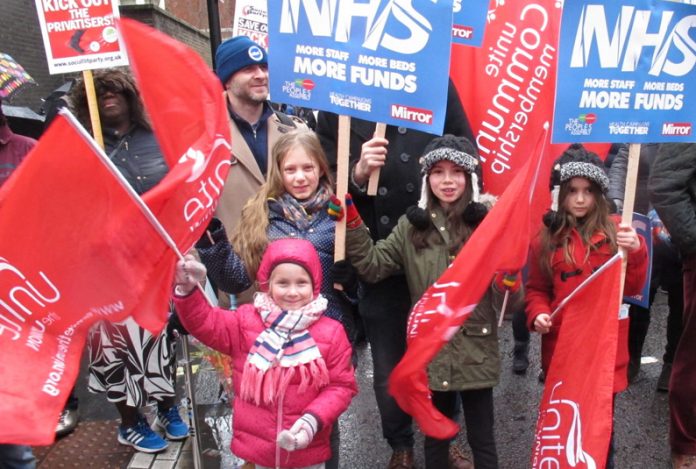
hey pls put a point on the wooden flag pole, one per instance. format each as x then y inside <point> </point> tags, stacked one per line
<point>93,107</point>
<point>341,186</point>
<point>629,198</point>
<point>373,182</point>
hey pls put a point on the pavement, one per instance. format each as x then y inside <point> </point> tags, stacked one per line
<point>641,420</point>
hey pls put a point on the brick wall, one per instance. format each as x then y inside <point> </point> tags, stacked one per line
<point>20,36</point>
<point>166,22</point>
<point>195,12</point>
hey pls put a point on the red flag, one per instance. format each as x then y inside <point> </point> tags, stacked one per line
<point>507,87</point>
<point>186,105</point>
<point>86,248</point>
<point>575,413</point>
<point>500,243</point>
<point>72,253</point>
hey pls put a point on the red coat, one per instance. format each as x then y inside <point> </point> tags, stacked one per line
<point>255,427</point>
<point>544,294</point>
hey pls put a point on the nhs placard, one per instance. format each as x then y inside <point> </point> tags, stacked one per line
<point>626,72</point>
<point>383,61</point>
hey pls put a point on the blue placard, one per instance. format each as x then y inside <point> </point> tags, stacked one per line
<point>641,223</point>
<point>382,61</point>
<point>626,72</point>
<point>469,22</point>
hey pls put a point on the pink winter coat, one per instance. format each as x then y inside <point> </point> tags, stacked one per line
<point>256,427</point>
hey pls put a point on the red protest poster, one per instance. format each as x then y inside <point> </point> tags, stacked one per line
<point>80,34</point>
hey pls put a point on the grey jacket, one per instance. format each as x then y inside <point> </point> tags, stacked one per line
<point>672,189</point>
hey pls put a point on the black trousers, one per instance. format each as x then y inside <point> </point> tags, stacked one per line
<point>478,416</point>
<point>384,308</point>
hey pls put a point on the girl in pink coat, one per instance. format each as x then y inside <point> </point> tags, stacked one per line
<point>292,371</point>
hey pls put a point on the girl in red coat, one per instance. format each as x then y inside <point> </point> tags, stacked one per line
<point>292,371</point>
<point>577,239</point>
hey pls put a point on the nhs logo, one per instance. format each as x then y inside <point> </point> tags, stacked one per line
<point>338,19</point>
<point>634,35</point>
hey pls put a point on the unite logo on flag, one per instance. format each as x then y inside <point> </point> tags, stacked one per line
<point>560,438</point>
<point>424,311</point>
<point>14,312</point>
<point>209,181</point>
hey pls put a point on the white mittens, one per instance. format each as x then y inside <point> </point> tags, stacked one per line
<point>189,272</point>
<point>300,435</point>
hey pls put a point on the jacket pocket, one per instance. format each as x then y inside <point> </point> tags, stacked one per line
<point>478,344</point>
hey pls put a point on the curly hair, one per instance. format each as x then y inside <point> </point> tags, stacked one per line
<point>113,79</point>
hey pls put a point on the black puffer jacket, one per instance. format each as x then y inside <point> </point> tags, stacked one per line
<point>400,179</point>
<point>138,156</point>
<point>672,189</point>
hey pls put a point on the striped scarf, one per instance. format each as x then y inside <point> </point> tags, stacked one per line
<point>301,211</point>
<point>282,350</point>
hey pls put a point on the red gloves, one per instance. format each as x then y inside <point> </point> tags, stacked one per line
<point>336,211</point>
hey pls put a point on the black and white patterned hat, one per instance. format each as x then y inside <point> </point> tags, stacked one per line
<point>576,161</point>
<point>463,153</point>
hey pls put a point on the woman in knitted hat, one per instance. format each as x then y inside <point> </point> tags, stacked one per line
<point>292,370</point>
<point>422,245</point>
<point>579,236</point>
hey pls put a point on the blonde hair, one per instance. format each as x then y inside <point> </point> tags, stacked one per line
<point>250,238</point>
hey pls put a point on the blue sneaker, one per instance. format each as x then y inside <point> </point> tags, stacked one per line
<point>170,421</point>
<point>142,438</point>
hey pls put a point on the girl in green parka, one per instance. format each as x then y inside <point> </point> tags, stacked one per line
<point>422,245</point>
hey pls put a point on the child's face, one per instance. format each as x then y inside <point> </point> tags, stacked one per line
<point>300,174</point>
<point>580,199</point>
<point>290,286</point>
<point>447,181</point>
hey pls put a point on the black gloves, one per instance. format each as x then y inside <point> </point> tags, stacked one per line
<point>344,273</point>
<point>174,324</point>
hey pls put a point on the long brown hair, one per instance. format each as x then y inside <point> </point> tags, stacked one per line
<point>250,238</point>
<point>459,230</point>
<point>596,220</point>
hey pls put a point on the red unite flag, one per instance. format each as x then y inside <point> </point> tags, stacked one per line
<point>186,105</point>
<point>575,413</point>
<point>500,243</point>
<point>86,247</point>
<point>72,253</point>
